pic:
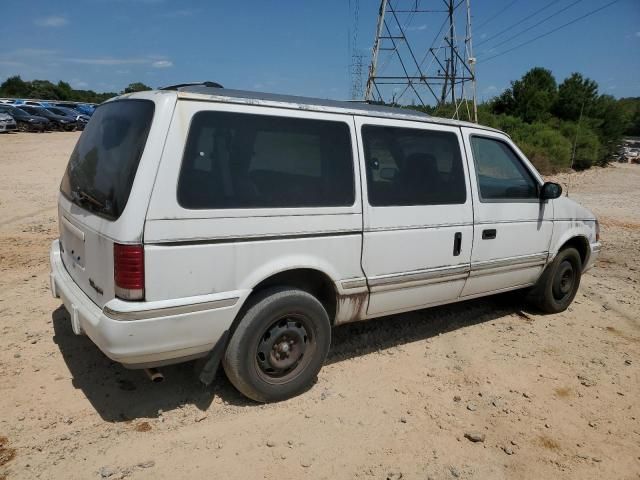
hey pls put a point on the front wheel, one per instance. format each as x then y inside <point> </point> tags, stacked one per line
<point>558,285</point>
<point>279,345</point>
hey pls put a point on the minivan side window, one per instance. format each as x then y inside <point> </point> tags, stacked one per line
<point>410,166</point>
<point>501,174</point>
<point>239,160</point>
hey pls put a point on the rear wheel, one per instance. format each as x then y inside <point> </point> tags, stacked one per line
<point>279,345</point>
<point>558,285</point>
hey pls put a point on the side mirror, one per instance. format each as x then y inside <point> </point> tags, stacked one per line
<point>550,191</point>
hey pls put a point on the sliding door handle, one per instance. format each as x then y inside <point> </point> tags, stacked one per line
<point>457,244</point>
<point>489,234</point>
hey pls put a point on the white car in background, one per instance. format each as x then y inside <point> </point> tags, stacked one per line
<point>7,123</point>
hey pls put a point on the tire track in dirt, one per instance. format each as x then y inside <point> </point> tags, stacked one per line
<point>27,215</point>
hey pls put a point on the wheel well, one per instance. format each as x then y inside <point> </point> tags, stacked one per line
<point>580,244</point>
<point>312,281</point>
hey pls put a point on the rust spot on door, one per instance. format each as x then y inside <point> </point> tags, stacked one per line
<point>351,308</point>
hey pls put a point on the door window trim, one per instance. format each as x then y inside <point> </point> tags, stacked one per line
<point>520,160</point>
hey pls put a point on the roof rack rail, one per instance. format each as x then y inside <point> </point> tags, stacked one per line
<point>191,84</point>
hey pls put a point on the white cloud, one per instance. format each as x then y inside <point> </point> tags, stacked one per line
<point>162,64</point>
<point>637,34</point>
<point>109,61</point>
<point>35,52</point>
<point>490,89</point>
<point>52,21</point>
<point>79,83</point>
<point>417,27</point>
<point>22,57</point>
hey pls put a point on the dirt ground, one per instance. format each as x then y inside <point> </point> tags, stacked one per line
<point>552,396</point>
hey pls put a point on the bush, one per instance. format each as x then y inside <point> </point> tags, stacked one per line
<point>550,148</point>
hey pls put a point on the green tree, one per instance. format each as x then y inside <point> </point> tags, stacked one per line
<point>611,123</point>
<point>43,89</point>
<point>534,94</point>
<point>136,87</point>
<point>505,103</point>
<point>14,87</point>
<point>65,92</point>
<point>530,98</point>
<point>631,108</point>
<point>575,95</point>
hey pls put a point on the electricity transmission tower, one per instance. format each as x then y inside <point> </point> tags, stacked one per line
<point>357,56</point>
<point>445,74</point>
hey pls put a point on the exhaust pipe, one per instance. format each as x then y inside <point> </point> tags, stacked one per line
<point>154,375</point>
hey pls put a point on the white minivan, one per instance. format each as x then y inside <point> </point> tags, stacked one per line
<point>199,221</point>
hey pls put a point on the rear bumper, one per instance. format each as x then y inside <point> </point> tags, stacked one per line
<point>146,334</point>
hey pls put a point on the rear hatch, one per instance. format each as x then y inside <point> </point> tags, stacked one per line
<point>95,190</point>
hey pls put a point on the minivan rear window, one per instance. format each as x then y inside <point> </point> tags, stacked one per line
<point>240,160</point>
<point>104,162</point>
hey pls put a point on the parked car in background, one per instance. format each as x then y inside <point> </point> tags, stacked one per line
<point>32,103</point>
<point>85,108</point>
<point>70,112</point>
<point>198,221</point>
<point>25,121</point>
<point>7,123</point>
<point>61,122</point>
<point>81,119</point>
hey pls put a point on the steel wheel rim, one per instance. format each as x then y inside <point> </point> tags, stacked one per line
<point>564,281</point>
<point>284,349</point>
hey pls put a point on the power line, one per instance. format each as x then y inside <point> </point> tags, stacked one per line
<point>588,14</point>
<point>496,15</point>
<point>552,2</point>
<point>537,24</point>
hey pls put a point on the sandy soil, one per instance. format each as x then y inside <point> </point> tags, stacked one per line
<point>553,396</point>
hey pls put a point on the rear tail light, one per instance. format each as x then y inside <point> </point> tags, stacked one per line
<point>597,231</point>
<point>128,271</point>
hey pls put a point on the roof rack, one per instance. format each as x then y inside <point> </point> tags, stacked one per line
<point>191,84</point>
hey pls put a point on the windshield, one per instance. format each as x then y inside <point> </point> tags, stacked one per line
<point>104,162</point>
<point>58,111</point>
<point>68,111</point>
<point>36,111</point>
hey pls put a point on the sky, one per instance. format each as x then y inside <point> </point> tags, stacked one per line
<point>299,47</point>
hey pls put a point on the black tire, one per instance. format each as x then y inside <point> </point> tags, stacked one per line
<point>279,345</point>
<point>558,285</point>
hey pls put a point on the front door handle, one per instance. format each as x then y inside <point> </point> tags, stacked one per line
<point>457,244</point>
<point>489,234</point>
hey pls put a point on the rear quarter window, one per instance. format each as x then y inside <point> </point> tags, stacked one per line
<point>237,160</point>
